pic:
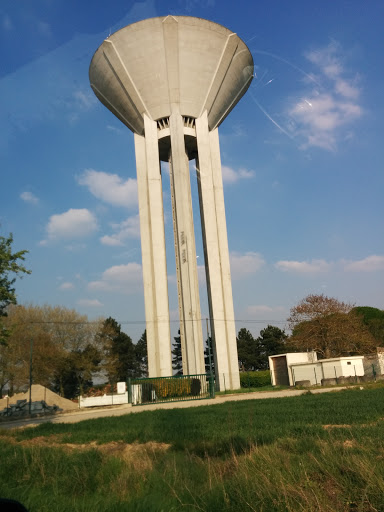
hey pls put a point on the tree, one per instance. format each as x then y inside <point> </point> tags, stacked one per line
<point>247,350</point>
<point>54,333</point>
<point>177,359</point>
<point>373,318</point>
<point>329,327</point>
<point>10,268</point>
<point>76,372</point>
<point>271,341</point>
<point>120,360</point>
<point>142,355</point>
<point>208,357</point>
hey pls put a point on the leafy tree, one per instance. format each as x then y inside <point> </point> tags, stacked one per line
<point>76,372</point>
<point>142,355</point>
<point>120,360</point>
<point>10,268</point>
<point>373,318</point>
<point>253,353</point>
<point>329,327</point>
<point>54,332</point>
<point>177,359</point>
<point>247,350</point>
<point>208,357</point>
<point>271,341</point>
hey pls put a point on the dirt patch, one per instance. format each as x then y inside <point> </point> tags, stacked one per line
<point>329,427</point>
<point>139,456</point>
<point>41,393</point>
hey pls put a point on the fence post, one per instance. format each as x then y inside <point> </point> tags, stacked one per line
<point>314,369</point>
<point>293,376</point>
<point>211,386</point>
<point>129,389</point>
<point>354,366</point>
<point>225,387</point>
<point>374,372</point>
<point>336,375</point>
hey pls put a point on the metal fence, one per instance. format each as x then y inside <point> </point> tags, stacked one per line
<point>170,389</point>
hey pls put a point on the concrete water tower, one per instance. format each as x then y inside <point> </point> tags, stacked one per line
<point>172,81</point>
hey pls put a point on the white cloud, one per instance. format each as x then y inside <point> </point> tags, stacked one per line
<point>232,176</point>
<point>71,224</point>
<point>110,188</point>
<point>66,286</point>
<point>113,241</point>
<point>171,278</point>
<point>201,274</point>
<point>245,264</point>
<point>28,197</point>
<point>44,29</point>
<point>130,228</point>
<point>369,264</point>
<point>85,100</point>
<point>120,278</point>
<point>346,89</point>
<point>114,129</point>
<point>93,303</point>
<point>6,23</point>
<point>174,315</point>
<point>264,310</point>
<point>321,115</point>
<point>304,267</point>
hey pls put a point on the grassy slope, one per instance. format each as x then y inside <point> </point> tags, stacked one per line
<point>265,455</point>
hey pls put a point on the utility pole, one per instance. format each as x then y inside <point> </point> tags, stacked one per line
<point>30,376</point>
<point>209,350</point>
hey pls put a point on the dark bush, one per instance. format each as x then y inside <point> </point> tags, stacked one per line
<point>147,389</point>
<point>195,387</point>
<point>255,379</point>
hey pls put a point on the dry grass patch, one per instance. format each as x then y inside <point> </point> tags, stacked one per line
<point>139,456</point>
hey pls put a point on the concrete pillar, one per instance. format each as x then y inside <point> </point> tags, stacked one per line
<point>217,264</point>
<point>186,263</point>
<point>153,251</point>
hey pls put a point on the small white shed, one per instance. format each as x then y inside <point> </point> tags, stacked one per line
<point>280,365</point>
<point>327,369</point>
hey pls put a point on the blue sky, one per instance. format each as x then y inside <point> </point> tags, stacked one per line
<point>302,157</point>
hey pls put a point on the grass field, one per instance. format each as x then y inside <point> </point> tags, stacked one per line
<point>308,453</point>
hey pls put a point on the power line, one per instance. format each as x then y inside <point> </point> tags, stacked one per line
<point>139,322</point>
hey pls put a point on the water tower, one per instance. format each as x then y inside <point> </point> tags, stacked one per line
<point>172,81</point>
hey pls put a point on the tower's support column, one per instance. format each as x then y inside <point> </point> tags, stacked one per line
<point>153,251</point>
<point>217,265</point>
<point>187,280</point>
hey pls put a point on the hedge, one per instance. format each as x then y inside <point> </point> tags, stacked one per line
<point>169,388</point>
<point>255,379</point>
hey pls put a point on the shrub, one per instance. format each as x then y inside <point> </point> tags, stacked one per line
<point>195,387</point>
<point>255,379</point>
<point>171,388</point>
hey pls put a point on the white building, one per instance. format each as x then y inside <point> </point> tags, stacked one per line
<point>280,366</point>
<point>288,369</point>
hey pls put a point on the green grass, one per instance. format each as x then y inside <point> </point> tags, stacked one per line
<point>308,453</point>
<point>259,389</point>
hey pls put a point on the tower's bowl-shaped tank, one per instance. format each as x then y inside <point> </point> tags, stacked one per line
<point>161,64</point>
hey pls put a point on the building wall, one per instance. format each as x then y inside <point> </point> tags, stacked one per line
<point>327,369</point>
<point>280,364</point>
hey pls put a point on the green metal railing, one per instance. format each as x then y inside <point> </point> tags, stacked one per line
<point>170,389</point>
